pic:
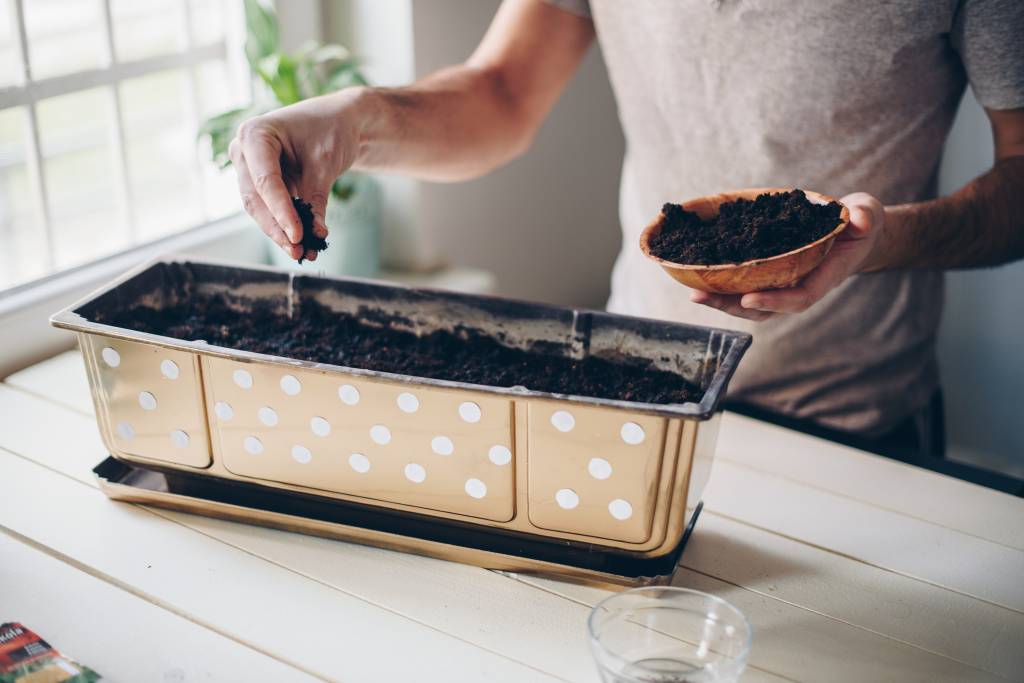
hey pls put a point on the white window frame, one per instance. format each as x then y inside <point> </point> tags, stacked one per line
<point>30,91</point>
<point>25,334</point>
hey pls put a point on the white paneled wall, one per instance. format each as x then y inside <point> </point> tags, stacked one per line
<point>547,224</point>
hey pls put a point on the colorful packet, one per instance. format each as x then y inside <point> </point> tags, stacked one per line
<point>27,658</point>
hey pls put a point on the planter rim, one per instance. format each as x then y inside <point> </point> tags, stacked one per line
<point>731,344</point>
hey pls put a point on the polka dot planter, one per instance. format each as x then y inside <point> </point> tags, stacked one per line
<point>381,426</point>
<point>595,472</point>
<point>150,401</point>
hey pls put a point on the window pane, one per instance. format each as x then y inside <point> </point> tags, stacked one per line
<point>161,147</point>
<point>81,179</point>
<point>10,71</point>
<point>146,28</point>
<point>215,96</point>
<point>64,36</point>
<point>20,227</point>
<point>207,21</point>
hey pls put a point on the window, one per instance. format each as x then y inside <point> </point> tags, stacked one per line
<point>100,101</point>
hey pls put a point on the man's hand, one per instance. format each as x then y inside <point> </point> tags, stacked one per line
<point>847,257</point>
<point>297,151</point>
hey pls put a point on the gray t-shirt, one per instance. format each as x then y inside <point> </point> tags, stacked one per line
<point>828,95</point>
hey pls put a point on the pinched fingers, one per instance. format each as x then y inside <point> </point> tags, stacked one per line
<point>261,148</point>
<point>254,205</point>
<point>318,200</point>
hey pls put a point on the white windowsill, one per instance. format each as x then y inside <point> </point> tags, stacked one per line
<point>25,333</point>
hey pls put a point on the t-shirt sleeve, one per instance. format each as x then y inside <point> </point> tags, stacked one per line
<point>989,35</point>
<point>580,7</point>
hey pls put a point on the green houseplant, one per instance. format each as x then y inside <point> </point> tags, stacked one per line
<point>284,78</point>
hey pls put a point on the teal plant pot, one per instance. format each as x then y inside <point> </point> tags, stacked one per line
<point>353,245</point>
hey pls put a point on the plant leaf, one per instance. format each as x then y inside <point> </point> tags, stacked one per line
<point>221,129</point>
<point>345,78</point>
<point>322,54</point>
<point>262,32</point>
<point>278,71</point>
<point>343,188</point>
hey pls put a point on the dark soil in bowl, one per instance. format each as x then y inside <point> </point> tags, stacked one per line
<point>309,239</point>
<point>369,341</point>
<point>744,229</point>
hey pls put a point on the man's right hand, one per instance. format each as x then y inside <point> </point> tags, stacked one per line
<point>297,151</point>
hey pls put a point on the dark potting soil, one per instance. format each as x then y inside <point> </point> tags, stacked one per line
<point>309,239</point>
<point>366,341</point>
<point>743,230</point>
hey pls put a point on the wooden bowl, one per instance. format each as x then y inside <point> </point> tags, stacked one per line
<point>774,272</point>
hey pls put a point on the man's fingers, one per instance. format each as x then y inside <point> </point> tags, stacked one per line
<point>793,300</point>
<point>729,304</point>
<point>866,215</point>
<point>832,271</point>
<point>262,152</point>
<point>318,200</point>
<point>254,206</point>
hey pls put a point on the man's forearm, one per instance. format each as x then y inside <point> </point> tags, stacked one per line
<point>452,125</point>
<point>979,225</point>
<point>469,119</point>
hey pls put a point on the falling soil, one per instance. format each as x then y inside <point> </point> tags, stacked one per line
<point>744,229</point>
<point>309,239</point>
<point>370,341</point>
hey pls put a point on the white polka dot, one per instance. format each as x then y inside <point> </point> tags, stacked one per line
<point>500,455</point>
<point>620,509</point>
<point>407,403</point>
<point>268,416</point>
<point>224,411</point>
<point>253,445</point>
<point>126,431</point>
<point>563,421</point>
<point>291,385</point>
<point>111,357</point>
<point>599,468</point>
<point>567,499</point>
<point>469,411</point>
<point>476,488</point>
<point>242,378</point>
<point>415,473</point>
<point>348,394</point>
<point>301,454</point>
<point>359,462</point>
<point>169,369</point>
<point>179,438</point>
<point>380,434</point>
<point>147,400</point>
<point>320,426</point>
<point>442,445</point>
<point>632,433</point>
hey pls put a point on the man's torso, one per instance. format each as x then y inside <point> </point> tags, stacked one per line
<point>831,95</point>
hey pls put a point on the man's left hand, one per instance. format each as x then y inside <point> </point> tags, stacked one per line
<point>847,257</point>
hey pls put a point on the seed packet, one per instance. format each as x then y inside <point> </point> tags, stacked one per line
<point>27,658</point>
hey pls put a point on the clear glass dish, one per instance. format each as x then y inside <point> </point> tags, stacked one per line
<point>661,634</point>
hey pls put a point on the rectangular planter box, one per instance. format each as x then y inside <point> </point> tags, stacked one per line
<point>608,475</point>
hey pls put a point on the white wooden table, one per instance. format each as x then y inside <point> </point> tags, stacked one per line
<point>850,566</point>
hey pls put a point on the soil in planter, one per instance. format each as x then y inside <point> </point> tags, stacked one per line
<point>367,341</point>
<point>309,239</point>
<point>744,229</point>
